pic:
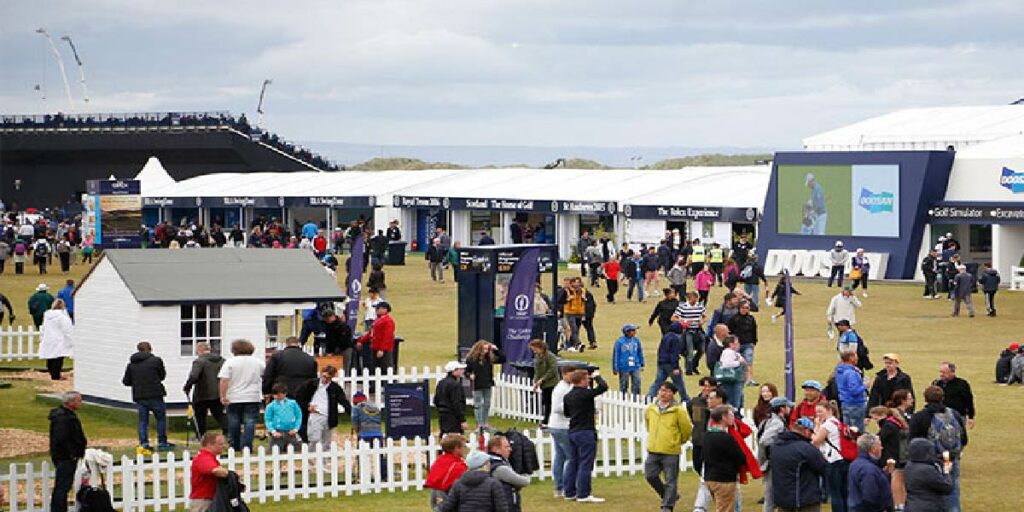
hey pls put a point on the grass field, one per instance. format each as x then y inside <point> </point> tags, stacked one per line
<point>894,319</point>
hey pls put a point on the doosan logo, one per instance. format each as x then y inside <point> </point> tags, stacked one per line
<point>1012,180</point>
<point>880,202</point>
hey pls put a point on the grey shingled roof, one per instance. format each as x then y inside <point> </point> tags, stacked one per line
<point>172,276</point>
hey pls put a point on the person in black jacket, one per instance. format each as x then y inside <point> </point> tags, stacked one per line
<point>319,399</point>
<point>476,490</point>
<point>1004,365</point>
<point>290,366</point>
<point>921,426</point>
<point>664,310</point>
<point>450,400</point>
<point>589,310</point>
<point>204,386</point>
<point>957,392</point>
<point>579,407</point>
<point>67,445</point>
<point>927,482</point>
<point>436,257</point>
<point>378,246</point>
<point>798,468</point>
<point>394,233</point>
<point>743,325</point>
<point>723,458</point>
<point>888,380</point>
<point>145,375</point>
<point>989,282</point>
<point>480,368</point>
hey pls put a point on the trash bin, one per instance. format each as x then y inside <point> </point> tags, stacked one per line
<point>396,253</point>
<point>364,357</point>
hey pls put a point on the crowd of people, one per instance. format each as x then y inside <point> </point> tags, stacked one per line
<point>39,243</point>
<point>166,120</point>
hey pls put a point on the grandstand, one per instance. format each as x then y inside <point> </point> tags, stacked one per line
<point>45,160</point>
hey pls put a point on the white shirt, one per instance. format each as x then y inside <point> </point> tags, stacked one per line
<point>831,454</point>
<point>320,398</point>
<point>731,358</point>
<point>245,378</point>
<point>558,418</point>
<point>371,308</point>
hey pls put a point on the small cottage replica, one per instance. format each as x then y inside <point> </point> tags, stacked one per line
<point>177,298</point>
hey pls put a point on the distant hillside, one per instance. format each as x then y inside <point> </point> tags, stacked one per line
<point>401,164</point>
<point>711,160</point>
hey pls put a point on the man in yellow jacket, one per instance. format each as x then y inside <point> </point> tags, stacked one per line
<point>668,427</point>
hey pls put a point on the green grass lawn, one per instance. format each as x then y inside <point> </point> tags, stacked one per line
<point>894,319</point>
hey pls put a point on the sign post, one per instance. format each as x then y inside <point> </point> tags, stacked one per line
<point>115,206</point>
<point>788,335</point>
<point>407,407</point>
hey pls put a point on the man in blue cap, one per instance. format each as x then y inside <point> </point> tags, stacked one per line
<point>628,359</point>
<point>812,397</point>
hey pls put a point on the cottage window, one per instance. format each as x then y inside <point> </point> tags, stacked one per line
<point>199,323</point>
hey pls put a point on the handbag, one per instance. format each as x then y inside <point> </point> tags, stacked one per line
<point>856,273</point>
<point>728,375</point>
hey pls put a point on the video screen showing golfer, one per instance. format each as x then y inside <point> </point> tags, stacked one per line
<point>815,211</point>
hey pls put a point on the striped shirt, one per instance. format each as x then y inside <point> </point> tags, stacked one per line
<point>690,313</point>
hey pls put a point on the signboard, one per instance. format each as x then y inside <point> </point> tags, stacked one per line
<point>262,202</point>
<point>407,405</point>
<point>702,213</point>
<point>499,204</point>
<point>839,200</point>
<point>518,326</point>
<point>977,213</point>
<point>503,261</point>
<point>117,209</point>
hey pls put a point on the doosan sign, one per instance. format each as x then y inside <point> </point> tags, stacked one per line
<point>817,263</point>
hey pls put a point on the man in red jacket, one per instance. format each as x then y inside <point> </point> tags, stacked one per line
<point>812,397</point>
<point>446,469</point>
<point>382,338</point>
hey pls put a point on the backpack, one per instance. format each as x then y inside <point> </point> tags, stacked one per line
<point>863,355</point>
<point>20,249</point>
<point>94,499</point>
<point>903,451</point>
<point>42,250</point>
<point>945,433</point>
<point>523,458</point>
<point>847,442</point>
<point>747,272</point>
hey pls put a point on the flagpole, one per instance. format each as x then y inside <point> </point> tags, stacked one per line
<point>788,337</point>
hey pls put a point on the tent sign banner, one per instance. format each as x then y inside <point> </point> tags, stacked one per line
<point>594,207</point>
<point>506,204</point>
<point>702,213</point>
<point>113,187</point>
<point>418,202</point>
<point>977,213</point>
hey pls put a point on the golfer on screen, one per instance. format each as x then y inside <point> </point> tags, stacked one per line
<point>817,205</point>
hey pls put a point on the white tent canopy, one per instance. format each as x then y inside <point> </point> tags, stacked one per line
<point>153,176</point>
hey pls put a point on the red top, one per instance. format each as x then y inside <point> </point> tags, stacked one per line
<point>612,269</point>
<point>738,433</point>
<point>445,471</point>
<point>204,484</point>
<point>804,408</point>
<point>320,244</point>
<point>382,334</point>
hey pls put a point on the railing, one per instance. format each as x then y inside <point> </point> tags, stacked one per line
<point>1016,277</point>
<point>19,343</point>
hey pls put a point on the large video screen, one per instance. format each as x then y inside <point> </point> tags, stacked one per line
<point>839,200</point>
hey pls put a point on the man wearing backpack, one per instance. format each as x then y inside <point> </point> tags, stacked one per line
<point>852,392</point>
<point>945,428</point>
<point>499,449</point>
<point>957,392</point>
<point>751,273</point>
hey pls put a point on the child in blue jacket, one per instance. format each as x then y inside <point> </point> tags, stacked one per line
<point>283,418</point>
<point>628,359</point>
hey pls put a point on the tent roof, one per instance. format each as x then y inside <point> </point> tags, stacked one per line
<point>223,276</point>
<point>153,175</point>
<point>923,129</point>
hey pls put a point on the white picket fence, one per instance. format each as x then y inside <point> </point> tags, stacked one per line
<point>18,343</point>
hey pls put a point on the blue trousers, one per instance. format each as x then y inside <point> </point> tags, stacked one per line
<point>159,410</point>
<point>242,424</point>
<point>629,378</point>
<point>562,451</point>
<point>837,484</point>
<point>953,499</point>
<point>665,371</point>
<point>853,415</point>
<point>578,469</point>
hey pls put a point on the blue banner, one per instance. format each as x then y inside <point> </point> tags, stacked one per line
<point>354,281</point>
<point>408,409</point>
<point>788,335</point>
<point>518,327</point>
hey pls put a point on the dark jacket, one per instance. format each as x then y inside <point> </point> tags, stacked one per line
<point>744,327</point>
<point>756,274</point>
<point>483,370</point>
<point>579,405</point>
<point>927,485</point>
<point>868,486</point>
<point>921,421</point>
<point>203,378</point>
<point>145,374</point>
<point>1004,365</point>
<point>883,387</point>
<point>335,397</point>
<point>337,336</point>
<point>290,366</point>
<point>67,439</point>
<point>723,458</point>
<point>958,396</point>
<point>476,491</point>
<point>436,254</point>
<point>378,245</point>
<point>38,304</point>
<point>376,280</point>
<point>229,495</point>
<point>929,266</point>
<point>671,346</point>
<point>989,280</point>
<point>589,305</point>
<point>797,471</point>
<point>450,399</point>
<point>963,284</point>
<point>699,415</point>
<point>894,441</point>
<point>663,312</point>
<point>712,353</point>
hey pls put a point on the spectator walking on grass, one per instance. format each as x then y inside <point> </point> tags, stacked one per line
<point>664,310</point>
<point>894,432</point>
<point>628,359</point>
<point>963,286</point>
<point>859,268</point>
<point>743,325</point>
<point>888,381</point>
<point>67,447</point>
<point>779,297</point>
<point>668,427</point>
<point>669,351</point>
<point>752,274</point>
<point>852,391</point>
<point>39,303</point>
<point>319,399</point>
<point>723,459</point>
<point>446,469</point>
<point>204,387</point>
<point>843,306</point>
<point>240,392</point>
<point>55,339</point>
<point>145,374</point>
<point>945,429</point>
<point>989,282</point>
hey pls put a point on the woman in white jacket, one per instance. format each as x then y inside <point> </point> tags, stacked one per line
<point>55,343</point>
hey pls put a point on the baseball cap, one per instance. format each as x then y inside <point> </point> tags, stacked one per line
<point>476,460</point>
<point>808,178</point>
<point>41,287</point>
<point>630,327</point>
<point>452,366</point>
<point>813,384</point>
<point>1013,347</point>
<point>780,401</point>
<point>358,398</point>
<point>893,356</point>
<point>384,304</point>
<point>839,243</point>
<point>805,422</point>
<point>843,322</point>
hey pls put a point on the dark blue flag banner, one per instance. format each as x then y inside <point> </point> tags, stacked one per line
<point>518,327</point>
<point>354,281</point>
<point>788,335</point>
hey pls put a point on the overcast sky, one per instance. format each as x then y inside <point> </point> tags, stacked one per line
<point>525,72</point>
